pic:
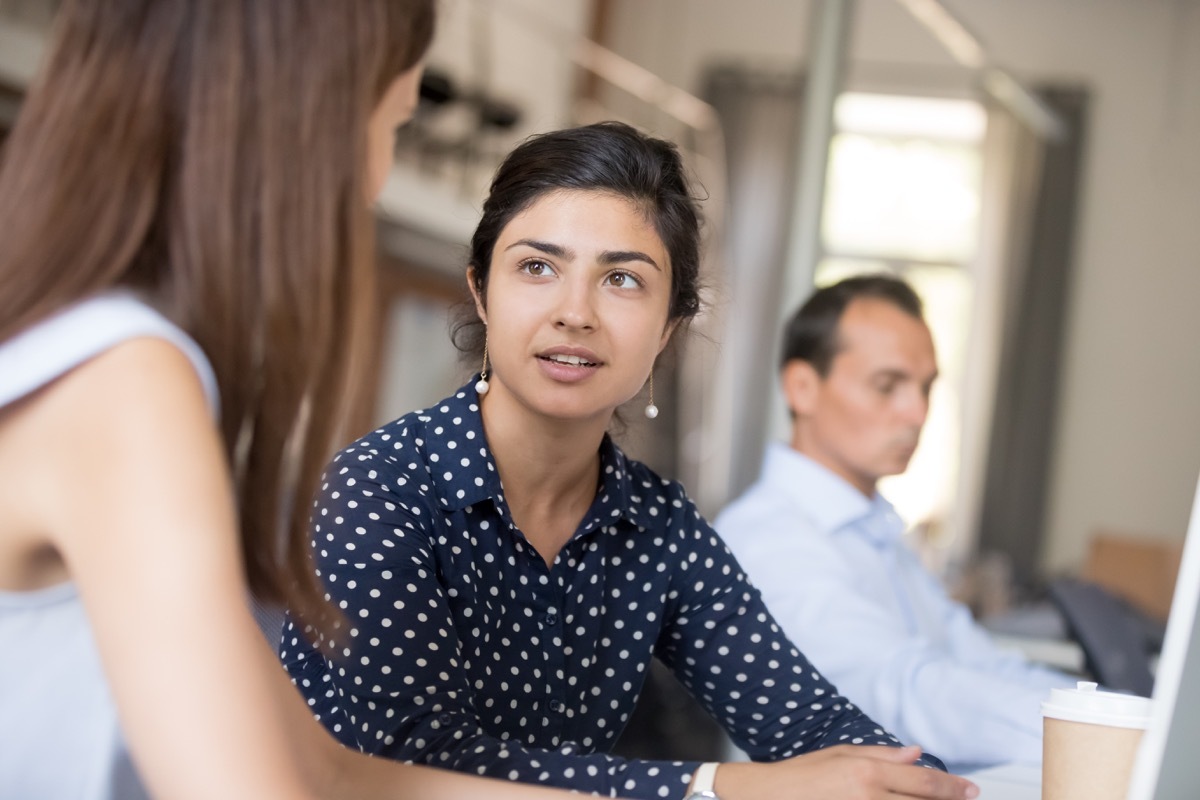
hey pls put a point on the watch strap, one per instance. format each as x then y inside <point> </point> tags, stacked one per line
<point>702,782</point>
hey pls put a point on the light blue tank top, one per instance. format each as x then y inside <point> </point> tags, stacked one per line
<point>59,734</point>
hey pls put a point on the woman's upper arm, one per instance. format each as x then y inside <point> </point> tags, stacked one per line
<point>135,495</point>
<point>398,648</point>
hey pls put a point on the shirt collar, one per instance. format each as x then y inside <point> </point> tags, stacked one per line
<point>616,496</point>
<point>829,501</point>
<point>479,480</point>
<point>449,433</point>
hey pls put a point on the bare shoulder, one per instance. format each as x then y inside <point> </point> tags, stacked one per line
<point>132,393</point>
<point>115,420</point>
<point>144,374</point>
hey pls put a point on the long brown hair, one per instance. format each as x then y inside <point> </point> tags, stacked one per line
<point>212,155</point>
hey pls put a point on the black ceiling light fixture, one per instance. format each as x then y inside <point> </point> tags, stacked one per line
<point>456,123</point>
<point>437,88</point>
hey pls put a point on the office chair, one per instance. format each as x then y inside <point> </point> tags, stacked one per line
<point>1116,638</point>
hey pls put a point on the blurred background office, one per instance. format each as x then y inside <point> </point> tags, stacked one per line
<point>1031,166</point>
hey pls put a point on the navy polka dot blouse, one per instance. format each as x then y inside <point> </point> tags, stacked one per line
<point>463,650</point>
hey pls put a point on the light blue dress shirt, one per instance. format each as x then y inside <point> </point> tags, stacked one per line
<point>833,568</point>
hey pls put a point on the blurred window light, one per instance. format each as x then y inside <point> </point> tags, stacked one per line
<point>904,178</point>
<point>902,198</point>
<point>895,115</point>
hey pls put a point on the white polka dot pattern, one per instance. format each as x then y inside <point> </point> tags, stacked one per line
<point>461,649</point>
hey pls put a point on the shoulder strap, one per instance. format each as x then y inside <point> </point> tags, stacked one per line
<point>79,333</point>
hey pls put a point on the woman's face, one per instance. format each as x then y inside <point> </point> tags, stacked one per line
<point>577,300</point>
<point>395,108</point>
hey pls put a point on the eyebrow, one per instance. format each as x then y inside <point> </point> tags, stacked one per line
<point>624,256</point>
<point>892,372</point>
<point>549,248</point>
<point>606,257</point>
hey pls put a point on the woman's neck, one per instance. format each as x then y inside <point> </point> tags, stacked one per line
<point>550,470</point>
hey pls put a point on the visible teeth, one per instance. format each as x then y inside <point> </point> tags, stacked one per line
<point>574,361</point>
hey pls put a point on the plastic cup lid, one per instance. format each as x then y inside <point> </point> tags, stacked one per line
<point>1085,703</point>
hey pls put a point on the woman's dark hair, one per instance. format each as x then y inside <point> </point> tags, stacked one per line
<point>812,333</point>
<point>605,157</point>
<point>213,155</point>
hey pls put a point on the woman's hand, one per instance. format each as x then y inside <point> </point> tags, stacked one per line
<point>847,772</point>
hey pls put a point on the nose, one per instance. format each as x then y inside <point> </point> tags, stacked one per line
<point>915,408</point>
<point>575,309</point>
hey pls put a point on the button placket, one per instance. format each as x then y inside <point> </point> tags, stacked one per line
<point>555,662</point>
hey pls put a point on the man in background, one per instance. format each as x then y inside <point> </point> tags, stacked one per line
<point>827,550</point>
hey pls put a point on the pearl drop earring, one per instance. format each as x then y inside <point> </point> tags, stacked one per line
<point>651,409</point>
<point>481,385</point>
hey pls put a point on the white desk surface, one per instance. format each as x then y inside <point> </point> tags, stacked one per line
<point>1009,782</point>
<point>1058,653</point>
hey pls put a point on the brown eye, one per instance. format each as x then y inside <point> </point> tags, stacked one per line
<point>536,267</point>
<point>623,279</point>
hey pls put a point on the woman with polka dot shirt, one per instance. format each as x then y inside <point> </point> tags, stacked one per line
<point>506,573</point>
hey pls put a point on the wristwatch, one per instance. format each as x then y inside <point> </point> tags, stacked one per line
<point>702,782</point>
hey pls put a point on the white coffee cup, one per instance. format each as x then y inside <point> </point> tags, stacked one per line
<point>1089,740</point>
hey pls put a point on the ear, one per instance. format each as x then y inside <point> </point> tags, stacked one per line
<point>801,386</point>
<point>480,306</point>
<point>668,329</point>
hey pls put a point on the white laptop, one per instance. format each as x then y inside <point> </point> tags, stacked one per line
<point>1167,765</point>
<point>1168,761</point>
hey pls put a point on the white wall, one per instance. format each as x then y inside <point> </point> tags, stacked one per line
<point>1127,451</point>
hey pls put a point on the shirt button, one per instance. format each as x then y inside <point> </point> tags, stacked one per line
<point>556,706</point>
<point>551,619</point>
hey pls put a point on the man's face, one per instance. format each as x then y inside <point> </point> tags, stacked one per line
<point>863,419</point>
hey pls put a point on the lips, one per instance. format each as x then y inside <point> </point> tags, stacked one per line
<point>567,364</point>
